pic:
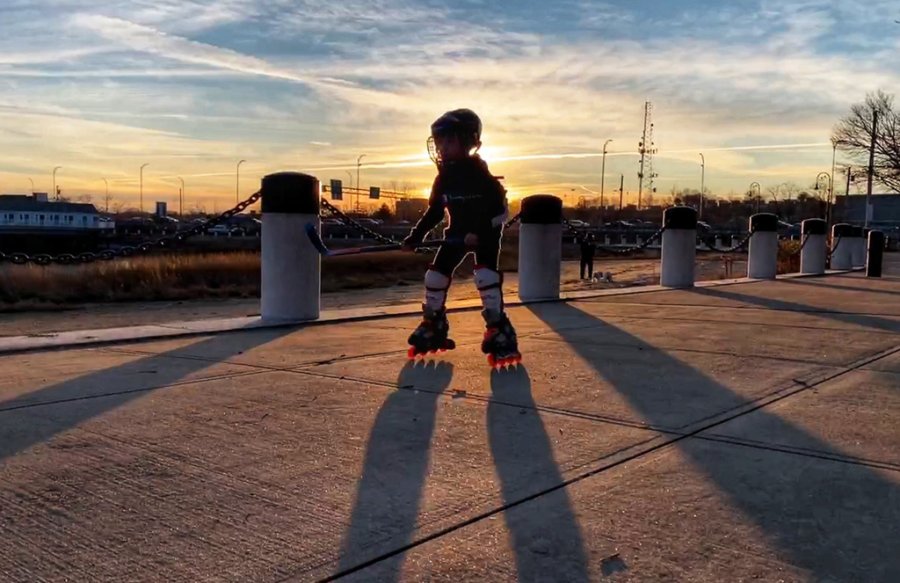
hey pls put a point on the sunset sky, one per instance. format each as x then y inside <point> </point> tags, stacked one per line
<point>193,86</point>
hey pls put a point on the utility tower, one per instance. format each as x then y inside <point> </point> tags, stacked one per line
<point>646,148</point>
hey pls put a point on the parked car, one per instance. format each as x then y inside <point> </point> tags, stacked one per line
<point>579,224</point>
<point>619,225</point>
<point>226,230</point>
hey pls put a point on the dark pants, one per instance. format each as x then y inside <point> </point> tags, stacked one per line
<point>450,255</point>
<point>587,262</point>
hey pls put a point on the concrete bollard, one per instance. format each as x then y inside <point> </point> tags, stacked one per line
<point>875,254</point>
<point>859,247</point>
<point>291,266</point>
<point>762,256</point>
<point>679,247</point>
<point>842,242</point>
<point>814,254</point>
<point>540,247</point>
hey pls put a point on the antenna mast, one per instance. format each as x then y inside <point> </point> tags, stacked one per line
<point>646,148</point>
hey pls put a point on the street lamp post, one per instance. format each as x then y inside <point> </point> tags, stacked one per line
<point>358,164</point>
<point>350,174</point>
<point>237,183</point>
<point>758,196</point>
<point>603,173</point>
<point>830,187</point>
<point>834,145</point>
<point>31,180</point>
<point>621,190</point>
<point>142,186</point>
<point>181,199</point>
<point>603,176</point>
<point>55,194</point>
<point>106,196</point>
<point>702,183</point>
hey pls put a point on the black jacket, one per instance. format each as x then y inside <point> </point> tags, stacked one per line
<point>587,249</point>
<point>473,197</point>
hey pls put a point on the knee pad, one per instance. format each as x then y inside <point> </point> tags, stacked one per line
<point>489,283</point>
<point>436,286</point>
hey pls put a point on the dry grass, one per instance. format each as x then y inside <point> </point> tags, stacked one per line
<point>788,256</point>
<point>164,277</point>
<point>183,276</point>
<point>193,276</point>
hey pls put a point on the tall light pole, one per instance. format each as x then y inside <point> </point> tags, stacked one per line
<point>237,183</point>
<point>350,174</point>
<point>830,184</point>
<point>871,172</point>
<point>56,196</point>
<point>603,175</point>
<point>621,190</point>
<point>834,145</point>
<point>358,164</point>
<point>142,186</point>
<point>31,180</point>
<point>181,199</point>
<point>106,197</point>
<point>702,183</point>
<point>758,195</point>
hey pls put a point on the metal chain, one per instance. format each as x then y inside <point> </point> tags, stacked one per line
<point>349,221</point>
<point>711,243</point>
<point>512,221</point>
<point>166,241</point>
<point>834,248</point>
<point>649,241</point>
<point>800,250</point>
<point>619,251</point>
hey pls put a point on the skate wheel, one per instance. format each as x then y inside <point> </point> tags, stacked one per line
<point>491,360</point>
<point>411,353</point>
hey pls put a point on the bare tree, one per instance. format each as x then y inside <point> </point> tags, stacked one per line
<point>853,134</point>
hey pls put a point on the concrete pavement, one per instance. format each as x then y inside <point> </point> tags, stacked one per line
<point>723,433</point>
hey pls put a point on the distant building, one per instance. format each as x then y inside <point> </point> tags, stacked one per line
<point>22,214</point>
<point>852,209</point>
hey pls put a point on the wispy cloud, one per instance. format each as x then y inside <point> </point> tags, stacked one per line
<point>312,84</point>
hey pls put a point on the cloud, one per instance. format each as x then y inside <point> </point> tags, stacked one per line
<point>145,39</point>
<point>320,82</point>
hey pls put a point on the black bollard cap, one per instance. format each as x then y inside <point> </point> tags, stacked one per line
<point>842,230</point>
<point>290,193</point>
<point>680,217</point>
<point>764,222</point>
<point>814,227</point>
<point>541,209</point>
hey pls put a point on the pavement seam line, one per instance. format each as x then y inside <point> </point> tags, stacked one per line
<point>175,384</point>
<point>801,451</point>
<point>598,470</point>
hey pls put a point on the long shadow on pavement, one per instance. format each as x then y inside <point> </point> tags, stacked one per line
<point>819,283</point>
<point>866,320</point>
<point>389,492</point>
<point>838,521</point>
<point>547,547</point>
<point>25,421</point>
<point>548,544</point>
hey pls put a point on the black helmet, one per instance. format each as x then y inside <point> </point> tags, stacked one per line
<point>464,123</point>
